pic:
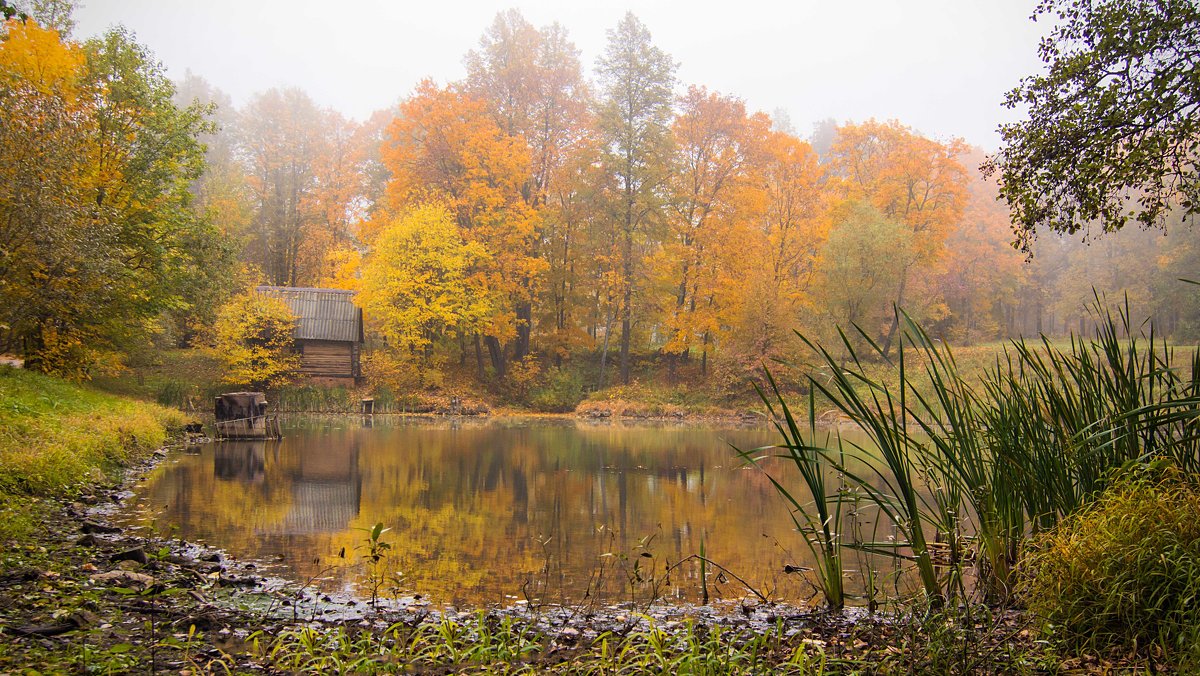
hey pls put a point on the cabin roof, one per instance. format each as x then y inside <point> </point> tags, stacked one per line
<point>322,314</point>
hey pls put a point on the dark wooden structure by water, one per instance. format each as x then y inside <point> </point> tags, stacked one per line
<point>329,332</point>
<point>243,415</point>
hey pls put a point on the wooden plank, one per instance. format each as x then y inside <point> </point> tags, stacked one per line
<point>327,358</point>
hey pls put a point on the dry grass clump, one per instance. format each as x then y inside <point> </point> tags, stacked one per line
<point>1124,571</point>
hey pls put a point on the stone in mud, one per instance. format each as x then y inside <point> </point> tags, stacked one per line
<point>136,554</point>
<point>231,581</point>
<point>18,576</point>
<point>93,527</point>
<point>183,561</point>
<point>87,540</point>
<point>124,577</point>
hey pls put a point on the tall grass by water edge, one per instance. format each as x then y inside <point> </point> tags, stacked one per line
<point>965,470</point>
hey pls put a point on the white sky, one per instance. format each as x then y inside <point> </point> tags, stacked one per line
<point>940,66</point>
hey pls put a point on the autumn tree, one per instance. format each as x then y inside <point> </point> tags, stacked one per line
<point>220,196</point>
<point>45,223</point>
<point>301,168</point>
<point>417,283</point>
<point>711,197</point>
<point>445,145</point>
<point>781,259</point>
<point>982,273</point>
<point>373,173</point>
<point>1113,131</point>
<point>150,156</point>
<point>578,243</point>
<point>253,337</point>
<point>533,86</point>
<point>103,241</point>
<point>221,191</point>
<point>911,180</point>
<point>636,83</point>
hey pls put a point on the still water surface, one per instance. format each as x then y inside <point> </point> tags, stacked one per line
<point>488,511</point>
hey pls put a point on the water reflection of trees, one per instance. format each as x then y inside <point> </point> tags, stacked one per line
<point>479,510</point>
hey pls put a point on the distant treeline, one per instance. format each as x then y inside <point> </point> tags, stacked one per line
<point>511,221</point>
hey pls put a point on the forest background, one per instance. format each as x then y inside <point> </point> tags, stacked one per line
<point>527,235</point>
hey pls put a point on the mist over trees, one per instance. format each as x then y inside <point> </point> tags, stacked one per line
<point>525,219</point>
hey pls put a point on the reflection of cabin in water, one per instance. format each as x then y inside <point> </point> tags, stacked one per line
<point>240,461</point>
<point>326,488</point>
<point>329,332</point>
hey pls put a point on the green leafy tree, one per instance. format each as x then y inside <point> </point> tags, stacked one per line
<point>8,11</point>
<point>99,241</point>
<point>254,341</point>
<point>862,261</point>
<point>1114,124</point>
<point>636,80</point>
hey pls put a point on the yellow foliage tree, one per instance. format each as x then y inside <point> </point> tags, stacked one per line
<point>447,145</point>
<point>417,286</point>
<point>254,341</point>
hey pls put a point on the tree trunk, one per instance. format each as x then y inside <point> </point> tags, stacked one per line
<point>604,351</point>
<point>524,326</point>
<point>626,307</point>
<point>496,353</point>
<point>479,359</point>
<point>887,341</point>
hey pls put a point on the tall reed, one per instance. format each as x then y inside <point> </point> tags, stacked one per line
<point>819,521</point>
<point>966,468</point>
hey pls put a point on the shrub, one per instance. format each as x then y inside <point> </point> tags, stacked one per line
<point>561,393</point>
<point>1125,570</point>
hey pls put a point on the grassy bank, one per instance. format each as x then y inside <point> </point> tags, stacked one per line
<point>182,379</point>
<point>56,437</point>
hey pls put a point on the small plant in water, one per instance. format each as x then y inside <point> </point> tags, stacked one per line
<point>376,552</point>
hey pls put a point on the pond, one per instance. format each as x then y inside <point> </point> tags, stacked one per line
<point>486,512</point>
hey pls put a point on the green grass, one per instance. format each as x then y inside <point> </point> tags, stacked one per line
<point>56,436</point>
<point>490,644</point>
<point>175,378</point>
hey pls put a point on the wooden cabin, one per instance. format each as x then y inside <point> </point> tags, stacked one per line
<point>329,332</point>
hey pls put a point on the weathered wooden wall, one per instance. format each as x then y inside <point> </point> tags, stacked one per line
<point>327,359</point>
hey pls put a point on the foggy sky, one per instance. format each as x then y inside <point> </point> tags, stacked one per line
<point>940,66</point>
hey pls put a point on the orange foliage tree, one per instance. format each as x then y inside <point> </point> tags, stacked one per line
<point>910,179</point>
<point>445,145</point>
<point>712,190</point>
<point>780,261</point>
<point>532,84</point>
